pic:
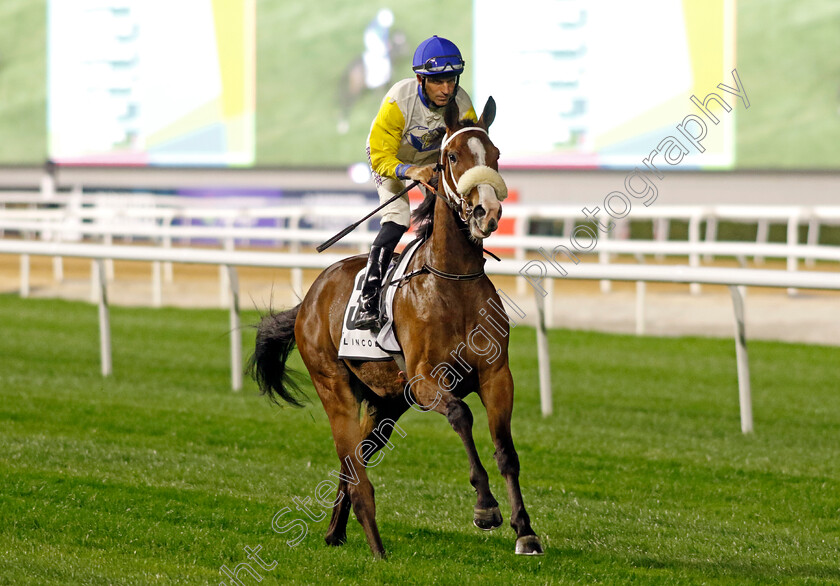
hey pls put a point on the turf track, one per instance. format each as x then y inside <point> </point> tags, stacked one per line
<point>161,474</point>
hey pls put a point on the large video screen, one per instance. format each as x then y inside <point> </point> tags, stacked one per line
<point>601,84</point>
<point>152,82</point>
<point>578,83</point>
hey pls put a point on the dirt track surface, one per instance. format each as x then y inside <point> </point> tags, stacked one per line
<point>670,310</point>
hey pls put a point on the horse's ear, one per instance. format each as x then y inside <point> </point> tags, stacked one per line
<point>450,116</point>
<point>489,114</point>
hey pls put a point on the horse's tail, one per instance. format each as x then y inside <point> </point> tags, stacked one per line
<point>267,365</point>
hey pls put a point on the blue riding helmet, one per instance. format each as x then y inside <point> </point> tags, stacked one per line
<point>437,56</point>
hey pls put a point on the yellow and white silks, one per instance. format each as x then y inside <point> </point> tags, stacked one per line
<point>406,132</point>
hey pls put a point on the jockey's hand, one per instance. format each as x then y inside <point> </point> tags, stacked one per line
<point>423,174</point>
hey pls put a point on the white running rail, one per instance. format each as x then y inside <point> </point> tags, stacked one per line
<point>735,278</point>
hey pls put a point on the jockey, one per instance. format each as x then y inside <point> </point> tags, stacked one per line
<point>404,143</point>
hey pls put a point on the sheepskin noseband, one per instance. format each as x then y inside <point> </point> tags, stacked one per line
<point>482,175</point>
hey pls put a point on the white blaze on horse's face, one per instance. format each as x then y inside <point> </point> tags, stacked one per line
<point>478,189</point>
<point>478,150</point>
<point>482,185</point>
<point>487,199</point>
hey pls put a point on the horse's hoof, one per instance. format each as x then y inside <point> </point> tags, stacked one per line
<point>336,540</point>
<point>529,545</point>
<point>380,555</point>
<point>487,519</point>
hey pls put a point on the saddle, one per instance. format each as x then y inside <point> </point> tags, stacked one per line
<point>379,345</point>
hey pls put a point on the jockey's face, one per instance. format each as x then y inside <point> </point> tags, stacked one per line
<point>439,90</point>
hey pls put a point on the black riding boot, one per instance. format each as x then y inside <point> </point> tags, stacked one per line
<point>368,316</point>
<point>383,247</point>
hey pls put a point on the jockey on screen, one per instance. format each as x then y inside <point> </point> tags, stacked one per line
<point>404,143</point>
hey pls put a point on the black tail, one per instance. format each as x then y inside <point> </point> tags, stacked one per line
<point>267,365</point>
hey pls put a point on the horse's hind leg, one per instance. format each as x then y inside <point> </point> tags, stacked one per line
<point>342,408</point>
<point>337,531</point>
<point>486,514</point>
<point>497,396</point>
<point>373,430</point>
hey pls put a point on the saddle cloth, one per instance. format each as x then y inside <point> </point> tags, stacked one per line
<point>365,344</point>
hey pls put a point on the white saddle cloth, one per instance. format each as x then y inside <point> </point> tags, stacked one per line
<point>365,344</point>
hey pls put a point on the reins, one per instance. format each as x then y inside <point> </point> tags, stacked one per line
<point>454,200</point>
<point>463,228</point>
<point>453,194</point>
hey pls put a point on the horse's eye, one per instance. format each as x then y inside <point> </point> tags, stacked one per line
<point>452,158</point>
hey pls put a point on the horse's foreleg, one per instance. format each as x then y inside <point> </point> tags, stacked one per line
<point>497,396</point>
<point>486,514</point>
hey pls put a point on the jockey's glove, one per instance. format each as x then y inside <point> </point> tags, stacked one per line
<point>423,174</point>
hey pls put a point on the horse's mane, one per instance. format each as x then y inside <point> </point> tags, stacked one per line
<point>423,217</point>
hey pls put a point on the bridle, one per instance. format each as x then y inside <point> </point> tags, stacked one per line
<point>459,204</point>
<point>455,200</point>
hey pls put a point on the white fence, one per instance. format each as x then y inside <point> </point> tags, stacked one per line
<point>58,220</point>
<point>125,212</point>
<point>53,225</point>
<point>228,260</point>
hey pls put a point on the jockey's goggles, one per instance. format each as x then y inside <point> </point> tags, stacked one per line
<point>442,64</point>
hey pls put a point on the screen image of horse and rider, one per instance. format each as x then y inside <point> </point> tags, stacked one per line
<point>578,84</point>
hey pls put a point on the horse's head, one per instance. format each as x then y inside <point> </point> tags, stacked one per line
<point>470,171</point>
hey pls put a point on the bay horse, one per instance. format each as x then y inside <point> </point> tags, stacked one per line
<point>435,311</point>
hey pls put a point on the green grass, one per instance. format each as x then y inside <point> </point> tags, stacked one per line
<point>161,474</point>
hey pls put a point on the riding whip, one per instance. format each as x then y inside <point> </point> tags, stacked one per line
<point>325,245</point>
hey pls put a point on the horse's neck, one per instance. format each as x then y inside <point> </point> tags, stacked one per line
<point>450,249</point>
